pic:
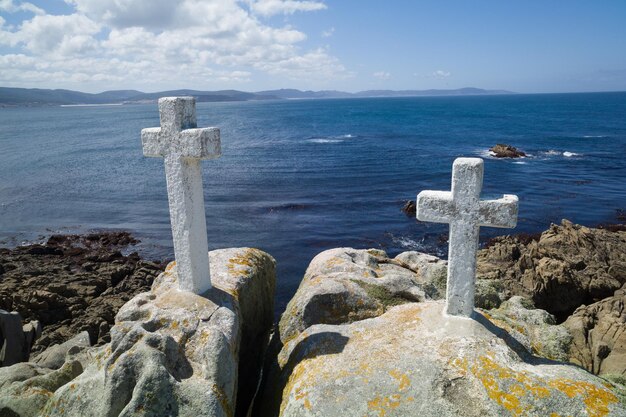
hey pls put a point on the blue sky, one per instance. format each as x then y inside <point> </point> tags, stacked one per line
<point>351,45</point>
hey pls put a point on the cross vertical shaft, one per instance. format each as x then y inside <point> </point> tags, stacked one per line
<point>466,213</point>
<point>182,146</point>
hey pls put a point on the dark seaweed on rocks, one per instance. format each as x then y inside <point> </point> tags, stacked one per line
<point>73,283</point>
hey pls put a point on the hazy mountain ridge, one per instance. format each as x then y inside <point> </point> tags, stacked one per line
<point>42,97</point>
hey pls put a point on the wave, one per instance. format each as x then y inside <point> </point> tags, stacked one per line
<point>322,140</point>
<point>595,136</point>
<point>332,139</point>
<point>566,154</point>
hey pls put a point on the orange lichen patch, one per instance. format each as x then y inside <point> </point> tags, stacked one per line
<point>596,399</point>
<point>403,380</point>
<point>303,395</point>
<point>382,405</point>
<point>555,415</point>
<point>223,400</point>
<point>170,266</point>
<point>516,390</point>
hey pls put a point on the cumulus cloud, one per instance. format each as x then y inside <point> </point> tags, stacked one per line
<point>328,33</point>
<point>441,74</point>
<point>274,7</point>
<point>382,75</point>
<point>191,43</point>
<point>11,7</point>
<point>159,43</point>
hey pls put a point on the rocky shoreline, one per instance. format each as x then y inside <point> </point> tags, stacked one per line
<point>544,302</point>
<point>73,283</point>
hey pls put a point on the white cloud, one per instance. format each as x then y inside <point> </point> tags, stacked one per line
<point>382,75</point>
<point>328,33</point>
<point>10,7</point>
<point>152,44</point>
<point>129,13</point>
<point>441,74</point>
<point>274,7</point>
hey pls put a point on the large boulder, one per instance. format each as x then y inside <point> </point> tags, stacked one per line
<point>16,340</point>
<point>414,361</point>
<point>386,349</point>
<point>565,267</point>
<point>599,335</point>
<point>171,352</point>
<point>344,285</point>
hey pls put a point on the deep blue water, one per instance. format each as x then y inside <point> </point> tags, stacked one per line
<point>299,177</point>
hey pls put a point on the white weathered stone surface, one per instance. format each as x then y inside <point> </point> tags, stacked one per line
<point>172,353</point>
<point>182,146</point>
<point>415,361</point>
<point>466,213</point>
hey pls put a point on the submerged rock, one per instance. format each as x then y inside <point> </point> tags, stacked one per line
<point>506,151</point>
<point>171,352</point>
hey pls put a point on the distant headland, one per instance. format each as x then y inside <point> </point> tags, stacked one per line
<point>46,97</point>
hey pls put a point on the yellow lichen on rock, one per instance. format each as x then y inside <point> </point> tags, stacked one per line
<point>595,398</point>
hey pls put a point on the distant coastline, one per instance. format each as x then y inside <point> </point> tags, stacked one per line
<point>35,97</point>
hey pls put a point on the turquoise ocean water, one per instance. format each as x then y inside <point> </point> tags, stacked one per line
<point>301,176</point>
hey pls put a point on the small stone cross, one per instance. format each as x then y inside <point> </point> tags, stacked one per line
<point>182,146</point>
<point>466,213</point>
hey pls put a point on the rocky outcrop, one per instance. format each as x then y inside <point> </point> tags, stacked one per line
<point>386,349</point>
<point>73,283</point>
<point>409,208</point>
<point>506,151</point>
<point>171,352</point>
<point>413,360</point>
<point>16,340</point>
<point>565,267</point>
<point>599,335</point>
<point>345,285</point>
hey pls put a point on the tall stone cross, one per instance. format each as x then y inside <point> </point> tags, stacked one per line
<point>182,146</point>
<point>463,209</point>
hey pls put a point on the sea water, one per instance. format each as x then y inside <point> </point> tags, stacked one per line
<point>301,176</point>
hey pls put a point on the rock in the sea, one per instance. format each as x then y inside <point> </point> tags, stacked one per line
<point>172,353</point>
<point>409,208</point>
<point>414,361</point>
<point>599,335</point>
<point>16,340</point>
<point>506,151</point>
<point>567,266</point>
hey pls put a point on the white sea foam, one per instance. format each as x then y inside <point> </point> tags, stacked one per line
<point>594,136</point>
<point>322,140</point>
<point>552,152</point>
<point>520,162</point>
<point>570,154</point>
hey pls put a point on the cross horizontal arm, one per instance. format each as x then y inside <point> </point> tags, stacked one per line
<point>200,143</point>
<point>151,142</point>
<point>435,206</point>
<point>498,213</point>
